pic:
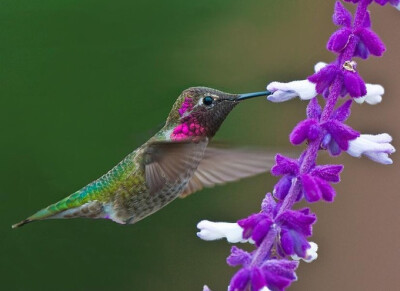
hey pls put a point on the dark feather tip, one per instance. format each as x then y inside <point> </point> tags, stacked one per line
<point>21,223</point>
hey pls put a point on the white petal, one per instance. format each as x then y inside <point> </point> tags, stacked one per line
<point>216,230</point>
<point>398,6</point>
<point>379,138</point>
<point>286,91</point>
<point>319,66</point>
<point>375,147</point>
<point>205,288</point>
<point>311,254</point>
<point>373,96</point>
<point>360,100</point>
<point>382,158</point>
<point>265,288</point>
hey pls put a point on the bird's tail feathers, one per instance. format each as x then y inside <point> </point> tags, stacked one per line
<point>69,207</point>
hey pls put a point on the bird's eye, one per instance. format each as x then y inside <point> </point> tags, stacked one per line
<point>208,100</point>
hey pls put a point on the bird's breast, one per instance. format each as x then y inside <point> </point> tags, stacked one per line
<point>135,203</point>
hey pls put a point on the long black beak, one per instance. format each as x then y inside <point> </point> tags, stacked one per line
<point>252,95</point>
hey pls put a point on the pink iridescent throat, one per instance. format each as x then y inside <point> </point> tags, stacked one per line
<point>189,124</point>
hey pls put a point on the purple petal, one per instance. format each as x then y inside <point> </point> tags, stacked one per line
<point>268,205</point>
<point>257,279</point>
<point>328,172</point>
<point>249,223</point>
<point>284,165</point>
<point>381,2</point>
<point>314,109</point>
<point>287,242</point>
<point>301,246</point>
<point>324,78</point>
<point>361,51</point>
<point>326,140</point>
<point>279,274</point>
<point>297,221</point>
<point>313,132</point>
<point>240,280</point>
<point>256,226</point>
<point>367,20</point>
<point>342,112</point>
<point>261,230</point>
<point>338,41</point>
<point>341,17</point>
<point>282,267</point>
<point>294,243</point>
<point>341,133</point>
<point>333,148</point>
<point>306,129</point>
<point>311,190</point>
<point>281,189</point>
<point>354,84</point>
<point>328,193</point>
<point>238,257</point>
<point>372,41</point>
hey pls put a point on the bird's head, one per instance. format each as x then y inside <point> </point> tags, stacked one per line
<point>200,111</point>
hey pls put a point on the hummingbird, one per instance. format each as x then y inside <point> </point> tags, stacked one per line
<point>176,162</point>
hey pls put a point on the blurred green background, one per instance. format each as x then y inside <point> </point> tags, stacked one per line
<point>83,83</point>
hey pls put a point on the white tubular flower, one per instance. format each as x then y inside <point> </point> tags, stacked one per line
<point>375,147</point>
<point>311,254</point>
<point>216,230</point>
<point>374,94</point>
<point>205,288</point>
<point>286,91</point>
<point>303,89</point>
<point>306,90</point>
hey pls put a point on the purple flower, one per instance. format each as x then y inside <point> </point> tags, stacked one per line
<point>238,257</point>
<point>368,42</point>
<point>293,226</point>
<point>352,82</point>
<point>256,226</point>
<point>395,3</point>
<point>316,185</point>
<point>280,232</point>
<point>305,90</point>
<point>272,274</point>
<point>288,169</point>
<point>336,134</point>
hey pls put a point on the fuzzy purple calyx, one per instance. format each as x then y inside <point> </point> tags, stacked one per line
<point>273,274</point>
<point>367,41</point>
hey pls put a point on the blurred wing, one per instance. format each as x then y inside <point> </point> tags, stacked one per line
<point>169,162</point>
<point>225,165</point>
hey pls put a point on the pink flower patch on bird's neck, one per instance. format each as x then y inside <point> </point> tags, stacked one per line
<point>189,128</point>
<point>186,106</point>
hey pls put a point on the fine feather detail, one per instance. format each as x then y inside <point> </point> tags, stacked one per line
<point>169,162</point>
<point>219,166</point>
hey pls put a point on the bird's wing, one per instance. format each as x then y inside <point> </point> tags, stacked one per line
<point>167,163</point>
<point>219,166</point>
